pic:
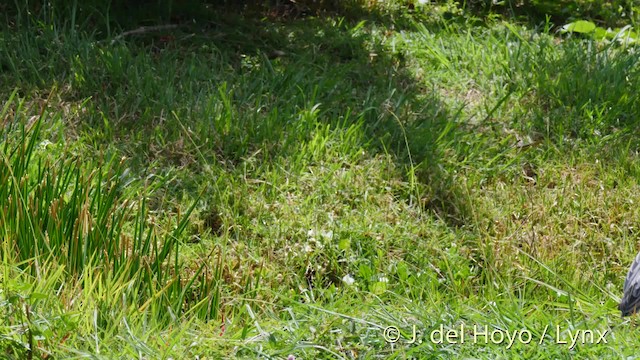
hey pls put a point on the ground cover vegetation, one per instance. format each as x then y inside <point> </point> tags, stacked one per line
<point>189,179</point>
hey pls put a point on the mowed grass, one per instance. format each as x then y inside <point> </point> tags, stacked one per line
<point>245,188</point>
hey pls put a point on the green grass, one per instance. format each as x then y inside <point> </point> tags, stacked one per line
<point>182,193</point>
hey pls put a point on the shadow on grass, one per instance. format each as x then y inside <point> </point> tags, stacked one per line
<point>243,85</point>
<point>617,13</point>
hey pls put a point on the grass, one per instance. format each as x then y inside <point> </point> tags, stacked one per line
<point>186,193</point>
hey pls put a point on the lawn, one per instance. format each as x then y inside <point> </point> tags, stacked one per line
<point>378,181</point>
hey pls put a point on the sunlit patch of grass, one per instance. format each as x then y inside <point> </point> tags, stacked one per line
<point>59,212</point>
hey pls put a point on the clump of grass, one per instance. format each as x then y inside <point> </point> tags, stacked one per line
<point>79,217</point>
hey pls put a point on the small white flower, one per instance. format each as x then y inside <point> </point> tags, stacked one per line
<point>327,234</point>
<point>347,279</point>
<point>45,143</point>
